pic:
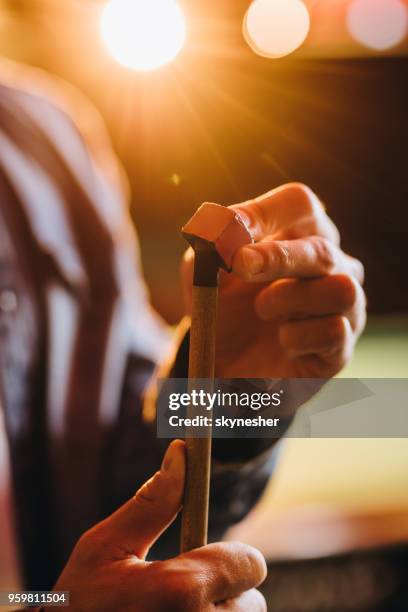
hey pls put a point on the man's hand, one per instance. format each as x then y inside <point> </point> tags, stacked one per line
<point>107,571</point>
<point>294,305</point>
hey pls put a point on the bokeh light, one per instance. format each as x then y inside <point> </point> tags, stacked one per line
<point>274,28</point>
<point>143,34</point>
<point>378,24</point>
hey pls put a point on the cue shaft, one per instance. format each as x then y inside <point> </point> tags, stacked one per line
<point>194,525</point>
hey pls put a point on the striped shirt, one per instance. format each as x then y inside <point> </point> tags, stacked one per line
<point>62,192</point>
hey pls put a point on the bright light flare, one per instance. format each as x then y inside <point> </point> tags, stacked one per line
<point>378,24</point>
<point>143,34</point>
<point>274,28</point>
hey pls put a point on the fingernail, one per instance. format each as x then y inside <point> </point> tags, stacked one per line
<point>253,261</point>
<point>167,460</point>
<point>172,457</point>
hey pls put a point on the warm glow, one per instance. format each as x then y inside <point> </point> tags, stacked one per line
<point>143,34</point>
<point>378,24</point>
<point>274,28</point>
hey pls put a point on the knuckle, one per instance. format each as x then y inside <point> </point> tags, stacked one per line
<point>359,270</point>
<point>182,590</point>
<point>305,197</point>
<point>346,291</point>
<point>334,231</point>
<point>86,540</point>
<point>337,331</point>
<point>281,256</point>
<point>148,498</point>
<point>325,253</point>
<point>87,547</point>
<point>300,190</point>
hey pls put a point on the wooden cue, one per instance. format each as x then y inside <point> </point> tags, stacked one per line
<point>194,524</point>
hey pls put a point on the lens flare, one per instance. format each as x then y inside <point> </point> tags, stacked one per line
<point>378,24</point>
<point>143,34</point>
<point>274,28</point>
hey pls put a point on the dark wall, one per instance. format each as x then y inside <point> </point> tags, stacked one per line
<point>339,126</point>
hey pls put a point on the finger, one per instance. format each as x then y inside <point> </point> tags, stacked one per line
<point>309,257</point>
<point>251,600</point>
<point>302,299</point>
<point>291,208</point>
<point>356,268</point>
<point>230,568</point>
<point>139,522</point>
<point>270,260</point>
<point>331,338</point>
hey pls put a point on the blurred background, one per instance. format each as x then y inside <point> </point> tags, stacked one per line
<point>221,123</point>
<point>260,94</point>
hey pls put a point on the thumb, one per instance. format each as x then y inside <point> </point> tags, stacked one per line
<point>139,522</point>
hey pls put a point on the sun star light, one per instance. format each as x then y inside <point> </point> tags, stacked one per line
<point>143,34</point>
